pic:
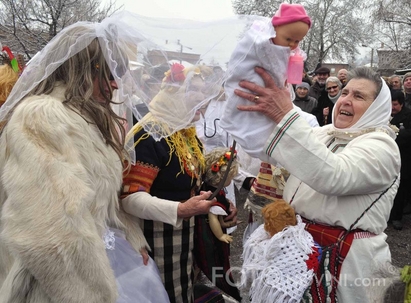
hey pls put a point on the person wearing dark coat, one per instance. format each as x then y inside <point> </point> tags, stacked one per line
<point>318,88</point>
<point>307,78</point>
<point>406,82</point>
<point>401,117</point>
<point>324,109</point>
<point>302,99</point>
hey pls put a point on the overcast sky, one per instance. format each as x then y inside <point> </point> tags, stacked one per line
<point>201,10</point>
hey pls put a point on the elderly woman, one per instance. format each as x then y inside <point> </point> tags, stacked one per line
<point>326,103</point>
<point>344,175</point>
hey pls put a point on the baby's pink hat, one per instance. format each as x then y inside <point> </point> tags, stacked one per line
<point>289,13</point>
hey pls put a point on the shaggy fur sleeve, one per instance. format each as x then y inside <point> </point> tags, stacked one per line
<point>46,220</point>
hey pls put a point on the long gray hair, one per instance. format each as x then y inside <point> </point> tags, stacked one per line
<point>79,74</point>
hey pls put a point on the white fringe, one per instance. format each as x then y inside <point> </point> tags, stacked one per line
<point>275,267</point>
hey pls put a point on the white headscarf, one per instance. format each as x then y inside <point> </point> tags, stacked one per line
<point>375,118</point>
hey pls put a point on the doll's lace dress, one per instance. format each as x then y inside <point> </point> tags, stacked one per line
<point>276,268</point>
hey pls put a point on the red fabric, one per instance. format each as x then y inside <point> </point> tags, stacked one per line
<point>334,250</point>
<point>312,261</point>
<point>140,178</point>
<point>326,235</point>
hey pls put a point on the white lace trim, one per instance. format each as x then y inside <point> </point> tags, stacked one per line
<point>348,135</point>
<point>275,267</point>
<point>109,240</point>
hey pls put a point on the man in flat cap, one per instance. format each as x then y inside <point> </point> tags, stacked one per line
<point>318,88</point>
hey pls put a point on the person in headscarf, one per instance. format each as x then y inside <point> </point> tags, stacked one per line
<point>162,186</point>
<point>344,175</point>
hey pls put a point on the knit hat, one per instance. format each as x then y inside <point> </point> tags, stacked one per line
<point>289,13</point>
<point>407,75</point>
<point>303,85</point>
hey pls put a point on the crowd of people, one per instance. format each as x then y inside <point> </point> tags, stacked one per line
<point>117,185</point>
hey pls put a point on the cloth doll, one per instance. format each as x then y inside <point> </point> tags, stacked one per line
<point>211,242</point>
<point>280,257</point>
<point>268,43</point>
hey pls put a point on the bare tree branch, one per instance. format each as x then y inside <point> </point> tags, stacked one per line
<point>26,26</point>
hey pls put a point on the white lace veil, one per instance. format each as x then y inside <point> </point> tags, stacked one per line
<point>138,50</point>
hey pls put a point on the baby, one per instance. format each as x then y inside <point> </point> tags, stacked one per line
<point>269,43</point>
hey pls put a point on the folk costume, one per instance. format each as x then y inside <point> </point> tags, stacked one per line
<point>211,240</point>
<point>168,171</point>
<point>158,172</point>
<point>212,255</point>
<point>359,174</point>
<point>268,186</point>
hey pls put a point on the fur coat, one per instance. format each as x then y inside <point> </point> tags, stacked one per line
<point>58,193</point>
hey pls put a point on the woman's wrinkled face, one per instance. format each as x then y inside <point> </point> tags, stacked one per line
<point>356,97</point>
<point>333,89</point>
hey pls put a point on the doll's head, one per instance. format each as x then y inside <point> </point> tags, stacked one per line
<point>216,165</point>
<point>278,215</point>
<point>291,24</point>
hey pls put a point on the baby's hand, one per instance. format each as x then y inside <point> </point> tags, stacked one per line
<point>226,238</point>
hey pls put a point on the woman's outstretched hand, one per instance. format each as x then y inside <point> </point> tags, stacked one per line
<point>272,101</point>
